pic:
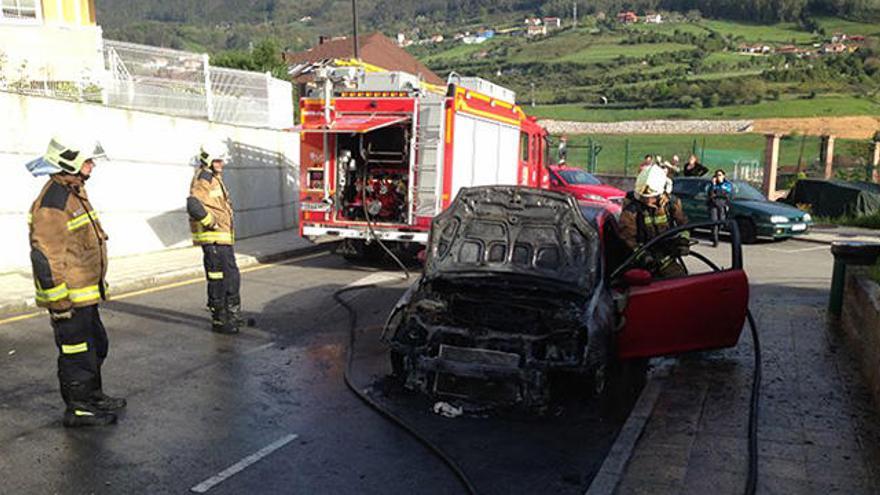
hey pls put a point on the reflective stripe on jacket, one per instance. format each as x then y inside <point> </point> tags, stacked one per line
<point>68,246</point>
<point>210,209</point>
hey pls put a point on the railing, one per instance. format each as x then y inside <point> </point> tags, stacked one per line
<point>172,82</point>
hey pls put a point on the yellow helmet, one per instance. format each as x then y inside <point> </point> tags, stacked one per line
<point>70,154</point>
<point>211,151</point>
<point>651,182</point>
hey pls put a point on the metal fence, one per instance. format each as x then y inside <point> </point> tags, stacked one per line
<point>182,83</point>
<point>170,82</point>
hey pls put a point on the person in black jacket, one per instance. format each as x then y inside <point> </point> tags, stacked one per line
<point>693,168</point>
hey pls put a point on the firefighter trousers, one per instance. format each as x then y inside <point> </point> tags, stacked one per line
<point>82,347</point>
<point>224,280</point>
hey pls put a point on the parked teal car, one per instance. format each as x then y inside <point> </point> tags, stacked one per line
<point>755,215</point>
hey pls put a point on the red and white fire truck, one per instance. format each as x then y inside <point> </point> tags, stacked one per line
<point>382,152</point>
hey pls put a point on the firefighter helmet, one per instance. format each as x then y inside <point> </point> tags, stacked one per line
<point>69,154</point>
<point>211,152</point>
<point>651,182</point>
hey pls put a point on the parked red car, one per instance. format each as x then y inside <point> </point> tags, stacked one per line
<point>585,187</point>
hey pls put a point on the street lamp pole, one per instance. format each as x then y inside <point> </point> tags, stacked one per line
<point>354,19</point>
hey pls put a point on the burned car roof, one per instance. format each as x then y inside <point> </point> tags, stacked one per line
<point>514,231</point>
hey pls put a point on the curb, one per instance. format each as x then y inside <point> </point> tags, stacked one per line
<point>243,261</point>
<point>614,466</point>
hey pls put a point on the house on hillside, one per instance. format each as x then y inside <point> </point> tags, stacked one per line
<point>653,18</point>
<point>533,30</point>
<point>374,49</point>
<point>754,49</point>
<point>834,48</point>
<point>50,41</point>
<point>627,17</point>
<point>552,23</point>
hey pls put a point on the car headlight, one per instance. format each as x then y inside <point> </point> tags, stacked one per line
<point>779,219</point>
<point>808,217</point>
<point>593,197</point>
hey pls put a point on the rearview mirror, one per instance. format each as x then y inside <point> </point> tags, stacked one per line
<point>637,277</point>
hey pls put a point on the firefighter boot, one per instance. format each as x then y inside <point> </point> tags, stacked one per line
<point>78,415</point>
<point>220,319</point>
<point>80,411</point>
<point>104,402</point>
<point>233,309</point>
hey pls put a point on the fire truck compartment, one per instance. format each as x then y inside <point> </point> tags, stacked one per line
<point>373,175</point>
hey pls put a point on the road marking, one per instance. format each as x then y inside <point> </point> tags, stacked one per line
<point>242,464</point>
<point>801,250</point>
<point>174,285</point>
<point>376,278</point>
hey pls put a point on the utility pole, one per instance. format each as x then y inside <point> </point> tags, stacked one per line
<point>574,14</point>
<point>533,94</point>
<point>354,19</point>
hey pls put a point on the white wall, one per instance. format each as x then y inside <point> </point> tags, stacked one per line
<point>52,53</point>
<point>140,192</point>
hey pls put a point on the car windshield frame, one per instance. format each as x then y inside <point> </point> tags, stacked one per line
<point>569,175</point>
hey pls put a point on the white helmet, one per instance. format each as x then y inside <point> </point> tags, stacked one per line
<point>211,151</point>
<point>651,182</point>
<point>69,154</point>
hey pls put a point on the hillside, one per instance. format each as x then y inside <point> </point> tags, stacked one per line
<point>686,67</point>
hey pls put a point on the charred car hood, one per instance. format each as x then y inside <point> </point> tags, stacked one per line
<point>517,233</point>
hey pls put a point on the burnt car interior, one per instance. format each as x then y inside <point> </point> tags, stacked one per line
<point>372,173</point>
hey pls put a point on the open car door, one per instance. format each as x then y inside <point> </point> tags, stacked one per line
<point>691,313</point>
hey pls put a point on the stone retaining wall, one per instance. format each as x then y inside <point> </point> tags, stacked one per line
<point>860,322</point>
<point>649,127</point>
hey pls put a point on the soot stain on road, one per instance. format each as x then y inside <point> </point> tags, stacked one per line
<point>501,451</point>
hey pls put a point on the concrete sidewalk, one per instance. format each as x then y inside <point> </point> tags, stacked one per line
<point>818,430</point>
<point>833,233</point>
<point>131,273</point>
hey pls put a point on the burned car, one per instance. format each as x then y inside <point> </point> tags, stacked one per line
<point>512,290</point>
<point>517,291</point>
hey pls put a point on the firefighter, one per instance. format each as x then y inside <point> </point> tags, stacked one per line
<point>718,201</point>
<point>69,260</point>
<point>211,222</point>
<point>648,211</point>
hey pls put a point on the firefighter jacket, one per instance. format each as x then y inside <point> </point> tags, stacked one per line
<point>68,246</point>
<point>640,222</point>
<point>210,209</point>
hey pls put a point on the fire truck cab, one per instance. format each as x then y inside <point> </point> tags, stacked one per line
<point>382,152</point>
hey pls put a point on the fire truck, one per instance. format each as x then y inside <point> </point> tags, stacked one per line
<point>382,152</point>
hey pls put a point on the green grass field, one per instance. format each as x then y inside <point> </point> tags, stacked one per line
<point>835,25</point>
<point>771,33</point>
<point>603,52</point>
<point>821,106</point>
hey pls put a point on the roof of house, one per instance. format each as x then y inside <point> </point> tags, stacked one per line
<point>375,49</point>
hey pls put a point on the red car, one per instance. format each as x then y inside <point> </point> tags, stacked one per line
<point>585,187</point>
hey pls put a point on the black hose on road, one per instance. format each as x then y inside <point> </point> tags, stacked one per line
<point>364,396</point>
<point>754,406</point>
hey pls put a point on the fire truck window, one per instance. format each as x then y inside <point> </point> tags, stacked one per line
<point>524,146</point>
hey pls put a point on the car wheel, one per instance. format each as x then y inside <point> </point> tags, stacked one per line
<point>748,233</point>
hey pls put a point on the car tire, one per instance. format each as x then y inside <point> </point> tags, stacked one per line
<point>748,233</point>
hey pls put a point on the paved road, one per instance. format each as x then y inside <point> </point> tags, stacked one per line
<point>200,402</point>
